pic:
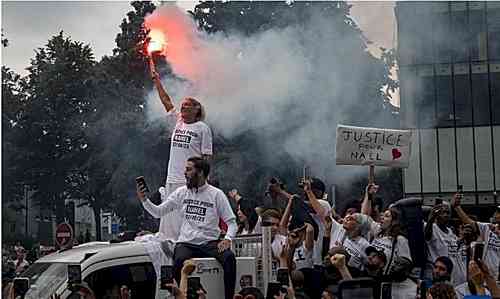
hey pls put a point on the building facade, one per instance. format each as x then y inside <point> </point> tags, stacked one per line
<point>449,71</point>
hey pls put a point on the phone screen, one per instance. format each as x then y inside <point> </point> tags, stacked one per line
<point>386,291</point>
<point>74,274</point>
<point>282,277</point>
<point>194,284</point>
<point>167,275</point>
<point>478,249</point>
<point>306,173</point>
<point>21,286</point>
<point>356,293</point>
<point>142,181</point>
<point>273,289</point>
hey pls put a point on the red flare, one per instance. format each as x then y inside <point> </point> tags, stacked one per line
<point>157,42</point>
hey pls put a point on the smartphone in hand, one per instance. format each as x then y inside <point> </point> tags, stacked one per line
<point>74,274</point>
<point>142,182</point>
<point>282,277</point>
<point>21,286</point>
<point>477,250</point>
<point>166,276</point>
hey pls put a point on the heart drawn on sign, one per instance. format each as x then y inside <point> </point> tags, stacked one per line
<point>396,154</point>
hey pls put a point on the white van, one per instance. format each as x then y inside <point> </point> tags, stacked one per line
<point>107,266</point>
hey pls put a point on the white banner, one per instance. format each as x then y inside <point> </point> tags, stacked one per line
<point>370,146</point>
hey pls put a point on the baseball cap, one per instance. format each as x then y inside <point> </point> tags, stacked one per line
<point>370,249</point>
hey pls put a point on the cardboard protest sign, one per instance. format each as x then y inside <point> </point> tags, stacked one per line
<point>370,146</point>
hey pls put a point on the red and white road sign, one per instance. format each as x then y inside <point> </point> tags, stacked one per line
<point>64,235</point>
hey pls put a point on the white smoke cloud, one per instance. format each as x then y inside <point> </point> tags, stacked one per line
<point>287,82</point>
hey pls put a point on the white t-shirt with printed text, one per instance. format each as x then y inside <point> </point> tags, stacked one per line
<point>491,255</point>
<point>356,248</point>
<point>302,257</point>
<point>446,244</point>
<point>385,243</point>
<point>200,212</point>
<point>188,140</point>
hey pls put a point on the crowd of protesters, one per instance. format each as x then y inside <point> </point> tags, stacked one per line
<point>321,249</point>
<point>377,250</point>
<point>323,252</point>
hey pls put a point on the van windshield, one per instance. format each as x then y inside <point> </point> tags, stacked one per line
<point>45,278</point>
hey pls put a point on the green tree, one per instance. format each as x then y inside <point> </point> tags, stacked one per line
<point>121,143</point>
<point>58,95</point>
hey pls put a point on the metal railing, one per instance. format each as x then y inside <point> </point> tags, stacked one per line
<point>258,246</point>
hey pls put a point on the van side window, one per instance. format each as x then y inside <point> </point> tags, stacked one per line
<point>139,278</point>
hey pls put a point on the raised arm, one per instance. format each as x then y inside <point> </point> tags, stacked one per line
<point>455,203</point>
<point>164,97</point>
<point>338,260</point>
<point>287,212</point>
<point>309,241</point>
<point>166,207</point>
<point>318,208</point>
<point>429,226</point>
<point>366,205</point>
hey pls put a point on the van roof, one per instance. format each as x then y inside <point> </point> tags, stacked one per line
<point>96,250</point>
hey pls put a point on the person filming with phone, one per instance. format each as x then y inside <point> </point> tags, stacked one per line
<point>489,232</point>
<point>442,241</point>
<point>200,206</point>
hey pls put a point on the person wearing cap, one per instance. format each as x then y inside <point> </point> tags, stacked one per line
<point>489,232</point>
<point>374,266</point>
<point>375,262</point>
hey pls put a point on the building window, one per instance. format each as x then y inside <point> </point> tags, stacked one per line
<point>426,103</point>
<point>459,34</point>
<point>463,107</point>
<point>445,115</point>
<point>480,95</point>
<point>493,21</point>
<point>477,25</point>
<point>441,37</point>
<point>495,92</point>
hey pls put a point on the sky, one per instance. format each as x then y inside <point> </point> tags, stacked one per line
<point>28,25</point>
